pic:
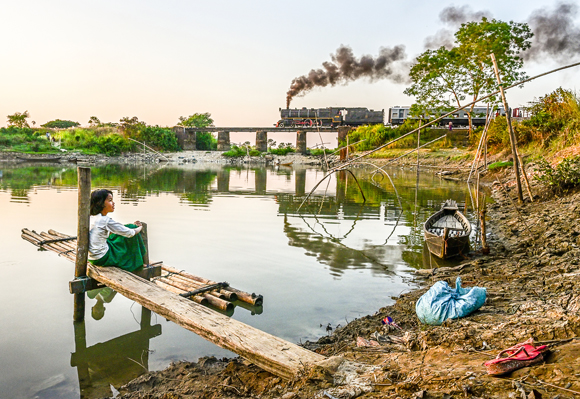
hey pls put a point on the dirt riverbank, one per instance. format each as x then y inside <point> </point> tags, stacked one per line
<point>532,276</point>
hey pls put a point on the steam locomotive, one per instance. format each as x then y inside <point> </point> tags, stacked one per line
<point>330,117</point>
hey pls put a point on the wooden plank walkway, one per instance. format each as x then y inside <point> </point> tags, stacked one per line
<point>270,353</point>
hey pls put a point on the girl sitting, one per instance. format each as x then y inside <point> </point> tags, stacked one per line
<point>110,242</point>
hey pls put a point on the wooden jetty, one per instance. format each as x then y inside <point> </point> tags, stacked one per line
<point>161,295</point>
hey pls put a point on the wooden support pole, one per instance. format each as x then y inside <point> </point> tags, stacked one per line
<point>526,178</point>
<point>145,238</point>
<point>511,131</point>
<point>84,203</point>
<point>484,246</point>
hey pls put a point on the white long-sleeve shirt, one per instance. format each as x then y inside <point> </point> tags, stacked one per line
<point>101,227</point>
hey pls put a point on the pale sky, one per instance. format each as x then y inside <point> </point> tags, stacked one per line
<point>159,60</point>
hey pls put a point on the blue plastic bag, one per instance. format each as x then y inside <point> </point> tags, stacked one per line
<point>442,302</point>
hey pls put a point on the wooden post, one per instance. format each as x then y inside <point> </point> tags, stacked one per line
<point>84,203</point>
<point>484,247</point>
<point>525,178</point>
<point>146,243</point>
<point>511,131</point>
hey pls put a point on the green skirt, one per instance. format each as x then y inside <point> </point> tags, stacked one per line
<point>125,253</point>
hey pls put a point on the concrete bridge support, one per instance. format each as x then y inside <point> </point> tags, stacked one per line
<point>186,140</point>
<point>223,143</point>
<point>301,142</point>
<point>262,140</point>
<point>300,182</point>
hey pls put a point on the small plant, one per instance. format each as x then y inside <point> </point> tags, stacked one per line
<point>565,176</point>
<point>500,165</point>
<point>235,151</point>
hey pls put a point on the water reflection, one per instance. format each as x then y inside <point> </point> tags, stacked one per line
<point>322,227</point>
<point>114,362</point>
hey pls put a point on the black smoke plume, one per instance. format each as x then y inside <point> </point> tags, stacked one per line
<point>345,68</point>
<point>453,17</point>
<point>555,33</point>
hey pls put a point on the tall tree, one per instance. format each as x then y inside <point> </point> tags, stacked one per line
<point>466,70</point>
<point>196,120</point>
<point>18,119</point>
<point>204,140</point>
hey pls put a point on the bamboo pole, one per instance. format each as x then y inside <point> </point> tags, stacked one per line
<point>484,246</point>
<point>196,285</point>
<point>252,299</point>
<point>525,178</point>
<point>511,131</point>
<point>212,300</point>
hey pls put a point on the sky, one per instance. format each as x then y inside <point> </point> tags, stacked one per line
<point>159,60</point>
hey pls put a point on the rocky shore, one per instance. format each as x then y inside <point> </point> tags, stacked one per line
<point>532,277</point>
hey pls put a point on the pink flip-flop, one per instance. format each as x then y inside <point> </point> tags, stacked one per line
<point>520,355</point>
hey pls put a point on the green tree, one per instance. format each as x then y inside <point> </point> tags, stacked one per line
<point>466,70</point>
<point>196,120</point>
<point>60,124</point>
<point>204,140</point>
<point>94,121</point>
<point>131,126</point>
<point>18,119</point>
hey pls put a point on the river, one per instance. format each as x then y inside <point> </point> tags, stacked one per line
<point>335,259</point>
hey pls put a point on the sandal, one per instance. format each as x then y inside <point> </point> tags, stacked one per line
<point>520,355</point>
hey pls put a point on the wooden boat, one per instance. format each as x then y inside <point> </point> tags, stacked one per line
<point>447,231</point>
<point>39,159</point>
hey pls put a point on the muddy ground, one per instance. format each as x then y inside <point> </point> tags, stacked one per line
<point>532,276</point>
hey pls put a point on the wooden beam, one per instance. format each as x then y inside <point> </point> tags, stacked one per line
<point>84,284</point>
<point>268,352</point>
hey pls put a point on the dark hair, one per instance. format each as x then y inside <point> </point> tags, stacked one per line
<point>98,198</point>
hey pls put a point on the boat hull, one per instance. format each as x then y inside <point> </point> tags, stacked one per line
<point>447,232</point>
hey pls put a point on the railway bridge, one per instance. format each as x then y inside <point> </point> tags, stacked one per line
<point>186,136</point>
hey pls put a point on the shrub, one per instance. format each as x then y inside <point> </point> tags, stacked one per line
<point>281,151</point>
<point>158,137</point>
<point>563,177</point>
<point>206,141</point>
<point>499,165</point>
<point>235,151</point>
<point>60,124</point>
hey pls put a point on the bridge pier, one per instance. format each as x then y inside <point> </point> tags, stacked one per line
<point>262,141</point>
<point>223,143</point>
<point>301,142</point>
<point>186,140</point>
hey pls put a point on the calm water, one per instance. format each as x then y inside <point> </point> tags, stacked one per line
<point>335,260</point>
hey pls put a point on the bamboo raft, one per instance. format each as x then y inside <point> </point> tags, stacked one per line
<point>171,279</point>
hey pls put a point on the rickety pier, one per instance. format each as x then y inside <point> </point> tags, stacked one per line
<point>270,353</point>
<point>161,295</point>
